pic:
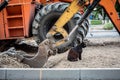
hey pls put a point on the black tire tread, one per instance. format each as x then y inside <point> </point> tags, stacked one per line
<point>59,6</point>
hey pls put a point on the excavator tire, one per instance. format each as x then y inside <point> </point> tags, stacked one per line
<point>48,15</point>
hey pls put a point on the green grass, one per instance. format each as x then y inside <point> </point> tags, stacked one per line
<point>108,26</point>
<point>96,22</point>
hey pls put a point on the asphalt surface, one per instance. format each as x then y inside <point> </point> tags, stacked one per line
<point>102,33</point>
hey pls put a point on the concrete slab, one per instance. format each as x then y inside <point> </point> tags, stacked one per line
<point>23,74</point>
<point>2,74</point>
<point>99,74</point>
<point>60,75</point>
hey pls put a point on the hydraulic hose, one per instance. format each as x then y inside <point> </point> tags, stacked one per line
<point>72,34</point>
<point>3,4</point>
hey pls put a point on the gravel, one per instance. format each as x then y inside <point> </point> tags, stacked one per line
<point>99,53</point>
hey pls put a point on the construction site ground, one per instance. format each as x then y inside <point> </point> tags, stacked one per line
<point>99,53</point>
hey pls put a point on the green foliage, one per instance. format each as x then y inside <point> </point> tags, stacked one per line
<point>108,26</point>
<point>96,22</point>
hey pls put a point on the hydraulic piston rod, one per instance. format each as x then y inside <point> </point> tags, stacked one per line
<point>85,15</point>
<point>72,34</point>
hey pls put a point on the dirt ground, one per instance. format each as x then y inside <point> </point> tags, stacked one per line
<point>99,53</point>
<point>10,62</point>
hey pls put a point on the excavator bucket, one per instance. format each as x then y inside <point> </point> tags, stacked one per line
<point>45,50</point>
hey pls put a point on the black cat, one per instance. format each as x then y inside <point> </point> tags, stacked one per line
<point>75,53</point>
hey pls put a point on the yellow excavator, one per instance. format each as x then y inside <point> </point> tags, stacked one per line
<point>74,7</point>
<point>57,38</point>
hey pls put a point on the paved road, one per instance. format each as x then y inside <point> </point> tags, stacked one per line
<point>66,74</point>
<point>98,31</point>
<point>103,33</point>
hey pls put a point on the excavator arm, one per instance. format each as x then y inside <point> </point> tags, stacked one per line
<point>68,38</point>
<point>74,7</point>
<point>109,7</point>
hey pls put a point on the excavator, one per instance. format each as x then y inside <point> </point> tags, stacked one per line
<point>57,25</point>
